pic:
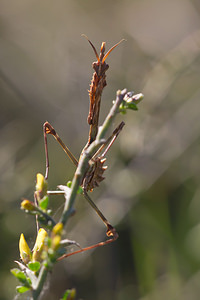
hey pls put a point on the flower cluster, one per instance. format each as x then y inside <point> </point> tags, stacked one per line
<point>36,255</point>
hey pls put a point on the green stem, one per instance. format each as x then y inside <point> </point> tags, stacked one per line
<point>40,283</point>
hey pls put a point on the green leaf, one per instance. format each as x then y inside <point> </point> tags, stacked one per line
<point>69,183</point>
<point>80,189</point>
<point>122,108</point>
<point>44,203</point>
<point>34,266</point>
<point>16,272</point>
<point>22,289</point>
<point>132,106</point>
<point>69,295</point>
<point>21,277</point>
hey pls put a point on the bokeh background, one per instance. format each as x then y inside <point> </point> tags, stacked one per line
<point>151,192</point>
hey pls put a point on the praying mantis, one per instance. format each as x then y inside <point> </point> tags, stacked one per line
<point>94,174</point>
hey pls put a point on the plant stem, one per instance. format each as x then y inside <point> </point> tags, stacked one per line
<point>40,283</point>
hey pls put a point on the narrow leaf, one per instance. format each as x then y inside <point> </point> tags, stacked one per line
<point>22,289</point>
<point>44,203</point>
<point>21,276</point>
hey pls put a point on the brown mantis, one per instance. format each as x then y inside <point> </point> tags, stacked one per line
<point>94,174</point>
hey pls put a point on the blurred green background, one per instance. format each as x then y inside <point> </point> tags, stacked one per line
<point>151,192</point>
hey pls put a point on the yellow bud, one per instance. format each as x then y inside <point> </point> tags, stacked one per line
<point>41,186</point>
<point>56,242</point>
<point>25,252</point>
<point>39,244</point>
<point>27,205</point>
<point>72,295</point>
<point>58,228</point>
